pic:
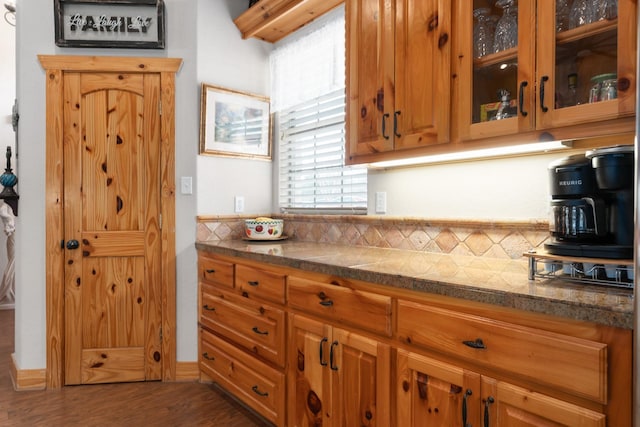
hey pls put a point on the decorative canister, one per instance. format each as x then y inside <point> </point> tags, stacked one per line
<point>604,87</point>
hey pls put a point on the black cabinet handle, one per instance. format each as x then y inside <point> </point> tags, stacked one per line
<point>327,303</point>
<point>384,125</point>
<point>523,84</point>
<point>542,82</point>
<point>253,283</point>
<point>210,270</point>
<point>322,341</point>
<point>331,361</point>
<point>464,407</point>
<point>258,392</point>
<point>258,331</point>
<point>395,124</point>
<point>478,344</point>
<point>487,403</point>
<point>206,356</point>
<point>208,308</point>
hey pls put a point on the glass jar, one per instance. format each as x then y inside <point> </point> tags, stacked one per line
<point>603,87</point>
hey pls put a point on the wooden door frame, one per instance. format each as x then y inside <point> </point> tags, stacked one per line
<point>55,66</point>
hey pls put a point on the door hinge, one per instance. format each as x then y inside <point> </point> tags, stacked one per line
<point>160,107</point>
<point>160,221</point>
<point>160,333</point>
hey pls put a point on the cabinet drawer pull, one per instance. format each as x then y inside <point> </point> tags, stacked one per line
<point>258,331</point>
<point>331,355</point>
<point>395,124</point>
<point>523,84</point>
<point>478,343</point>
<point>322,341</point>
<point>258,392</point>
<point>210,271</point>
<point>542,82</point>
<point>327,303</point>
<point>253,283</point>
<point>206,356</point>
<point>384,125</point>
<point>464,407</point>
<point>487,403</point>
<point>208,308</point>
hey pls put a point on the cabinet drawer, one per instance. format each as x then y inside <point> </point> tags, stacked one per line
<point>341,305</point>
<point>575,365</point>
<point>260,283</point>
<point>215,271</point>
<point>255,383</point>
<point>258,328</point>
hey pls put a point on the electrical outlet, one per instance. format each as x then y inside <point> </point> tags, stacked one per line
<point>186,185</point>
<point>381,202</point>
<point>238,204</point>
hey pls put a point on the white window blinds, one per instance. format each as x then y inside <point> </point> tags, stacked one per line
<point>308,98</point>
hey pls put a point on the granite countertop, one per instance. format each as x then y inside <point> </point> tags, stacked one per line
<point>502,282</point>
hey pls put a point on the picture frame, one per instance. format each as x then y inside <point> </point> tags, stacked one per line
<point>138,24</point>
<point>234,123</point>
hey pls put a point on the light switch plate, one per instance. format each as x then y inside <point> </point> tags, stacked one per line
<point>381,202</point>
<point>186,185</point>
<point>238,204</point>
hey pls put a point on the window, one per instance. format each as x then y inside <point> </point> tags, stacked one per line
<point>308,98</point>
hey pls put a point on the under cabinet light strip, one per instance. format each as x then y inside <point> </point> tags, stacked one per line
<point>512,150</point>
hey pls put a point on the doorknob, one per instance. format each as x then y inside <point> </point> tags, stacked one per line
<point>73,244</point>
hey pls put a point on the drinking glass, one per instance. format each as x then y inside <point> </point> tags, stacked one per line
<point>562,15</point>
<point>605,9</point>
<point>482,33</point>
<point>582,12</point>
<point>506,35</point>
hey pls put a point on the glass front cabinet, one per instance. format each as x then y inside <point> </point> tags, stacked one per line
<point>565,68</point>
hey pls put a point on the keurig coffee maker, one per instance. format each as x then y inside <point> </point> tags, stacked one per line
<point>592,208</point>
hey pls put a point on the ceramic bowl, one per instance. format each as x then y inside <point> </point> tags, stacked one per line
<point>268,229</point>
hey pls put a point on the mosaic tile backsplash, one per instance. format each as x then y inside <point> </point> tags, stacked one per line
<point>506,240</point>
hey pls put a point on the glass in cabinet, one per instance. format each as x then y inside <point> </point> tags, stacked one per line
<point>543,81</point>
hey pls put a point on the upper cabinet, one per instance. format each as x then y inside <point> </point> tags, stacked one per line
<point>545,67</point>
<point>271,20</point>
<point>398,77</point>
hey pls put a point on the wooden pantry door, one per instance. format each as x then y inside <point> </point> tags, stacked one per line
<point>117,276</point>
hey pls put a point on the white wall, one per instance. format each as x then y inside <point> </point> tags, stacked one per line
<point>497,189</point>
<point>225,60</point>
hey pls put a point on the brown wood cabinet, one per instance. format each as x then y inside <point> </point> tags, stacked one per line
<point>548,75</point>
<point>398,76</point>
<point>243,333</point>
<point>312,349</point>
<point>337,376</point>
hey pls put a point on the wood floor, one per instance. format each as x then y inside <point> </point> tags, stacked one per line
<point>132,404</point>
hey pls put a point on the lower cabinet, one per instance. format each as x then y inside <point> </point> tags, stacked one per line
<point>305,349</point>
<point>435,393</point>
<point>336,377</point>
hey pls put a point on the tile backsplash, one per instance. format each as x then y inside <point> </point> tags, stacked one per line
<point>489,239</point>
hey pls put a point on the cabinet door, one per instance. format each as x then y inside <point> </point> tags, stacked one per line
<point>361,380</point>
<point>507,405</point>
<point>422,73</point>
<point>370,62</point>
<point>433,393</point>
<point>309,388</point>
<point>572,60</point>
<point>482,77</point>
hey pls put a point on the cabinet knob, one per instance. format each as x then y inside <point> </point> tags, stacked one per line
<point>543,107</point>
<point>477,344</point>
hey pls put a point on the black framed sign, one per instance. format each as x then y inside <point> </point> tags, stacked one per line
<point>110,23</point>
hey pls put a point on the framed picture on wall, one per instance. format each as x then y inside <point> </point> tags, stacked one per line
<point>110,23</point>
<point>234,123</point>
